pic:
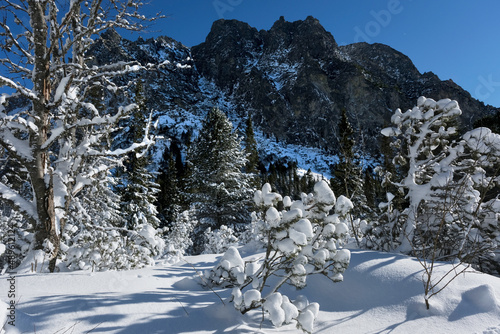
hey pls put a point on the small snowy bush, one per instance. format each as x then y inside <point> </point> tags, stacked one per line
<point>93,238</point>
<point>14,238</point>
<point>178,238</point>
<point>301,240</point>
<point>220,240</point>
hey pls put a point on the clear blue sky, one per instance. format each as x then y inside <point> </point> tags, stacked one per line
<point>456,39</point>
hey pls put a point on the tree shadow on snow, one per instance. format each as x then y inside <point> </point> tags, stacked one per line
<point>185,308</point>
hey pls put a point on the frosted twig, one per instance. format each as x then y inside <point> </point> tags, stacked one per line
<point>205,283</point>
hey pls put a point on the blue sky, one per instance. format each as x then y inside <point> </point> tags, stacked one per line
<point>455,39</point>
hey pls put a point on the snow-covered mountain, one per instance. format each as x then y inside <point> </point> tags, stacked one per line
<point>293,80</point>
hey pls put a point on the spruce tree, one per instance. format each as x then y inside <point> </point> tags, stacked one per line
<point>369,188</point>
<point>347,174</point>
<point>307,182</point>
<point>139,191</point>
<point>169,202</point>
<point>219,190</point>
<point>251,148</point>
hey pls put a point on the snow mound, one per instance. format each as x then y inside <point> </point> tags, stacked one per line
<point>34,261</point>
<point>482,298</point>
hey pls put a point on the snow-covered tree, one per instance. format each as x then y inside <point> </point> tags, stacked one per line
<point>348,178</point>
<point>220,240</point>
<point>169,200</point>
<point>302,240</point>
<point>57,138</point>
<point>250,147</point>
<point>14,237</point>
<point>94,237</point>
<point>422,139</point>
<point>219,189</point>
<point>139,191</point>
<point>447,186</point>
<point>178,239</point>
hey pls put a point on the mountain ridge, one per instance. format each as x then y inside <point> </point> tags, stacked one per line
<point>293,79</point>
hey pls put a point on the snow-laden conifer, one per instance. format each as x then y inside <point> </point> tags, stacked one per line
<point>95,237</point>
<point>219,189</point>
<point>220,240</point>
<point>178,239</point>
<point>138,190</point>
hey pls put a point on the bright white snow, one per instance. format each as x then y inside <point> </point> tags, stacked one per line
<point>381,293</point>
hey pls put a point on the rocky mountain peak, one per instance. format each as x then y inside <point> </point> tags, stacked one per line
<point>111,35</point>
<point>294,76</point>
<point>226,49</point>
<point>308,36</point>
<point>224,31</point>
<point>108,48</point>
<point>382,59</point>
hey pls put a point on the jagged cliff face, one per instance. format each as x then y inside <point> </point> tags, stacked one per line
<point>294,80</point>
<point>174,81</point>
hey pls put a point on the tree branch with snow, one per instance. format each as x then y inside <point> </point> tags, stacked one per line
<point>61,138</point>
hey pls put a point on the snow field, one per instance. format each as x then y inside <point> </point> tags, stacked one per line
<point>381,293</point>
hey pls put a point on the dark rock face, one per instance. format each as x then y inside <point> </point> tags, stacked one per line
<point>294,80</point>
<point>171,83</point>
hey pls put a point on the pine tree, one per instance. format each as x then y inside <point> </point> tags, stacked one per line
<point>347,174</point>
<point>307,182</point>
<point>251,148</point>
<point>179,238</point>
<point>219,190</point>
<point>169,201</point>
<point>369,188</point>
<point>139,191</point>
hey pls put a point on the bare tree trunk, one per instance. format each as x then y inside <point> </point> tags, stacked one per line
<point>43,190</point>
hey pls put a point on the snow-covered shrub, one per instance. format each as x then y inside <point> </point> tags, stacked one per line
<point>178,238</point>
<point>220,240</point>
<point>448,182</point>
<point>93,237</point>
<point>14,237</point>
<point>301,240</point>
<point>445,181</point>
<point>107,248</point>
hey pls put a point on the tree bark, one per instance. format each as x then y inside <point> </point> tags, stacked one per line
<point>45,228</point>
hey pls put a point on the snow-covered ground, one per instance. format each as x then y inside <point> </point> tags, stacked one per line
<point>381,293</point>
